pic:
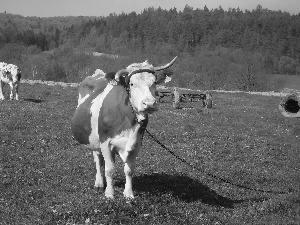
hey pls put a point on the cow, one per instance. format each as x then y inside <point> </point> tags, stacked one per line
<point>10,74</point>
<point>111,117</point>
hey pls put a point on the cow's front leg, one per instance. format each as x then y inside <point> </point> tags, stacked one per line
<point>1,88</point>
<point>17,90</point>
<point>100,177</point>
<point>11,96</point>
<point>109,158</point>
<point>128,170</point>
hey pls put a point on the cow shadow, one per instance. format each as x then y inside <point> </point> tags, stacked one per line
<point>33,100</point>
<point>182,187</point>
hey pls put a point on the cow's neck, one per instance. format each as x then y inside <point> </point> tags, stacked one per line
<point>136,132</point>
<point>141,118</point>
<point>130,139</point>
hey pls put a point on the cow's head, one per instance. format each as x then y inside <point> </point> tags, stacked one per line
<point>140,80</point>
<point>14,72</point>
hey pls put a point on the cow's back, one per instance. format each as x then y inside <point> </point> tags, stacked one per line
<point>89,84</point>
<point>2,69</point>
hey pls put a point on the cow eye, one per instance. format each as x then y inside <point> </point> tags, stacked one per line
<point>131,84</point>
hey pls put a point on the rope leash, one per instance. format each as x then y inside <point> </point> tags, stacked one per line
<point>210,174</point>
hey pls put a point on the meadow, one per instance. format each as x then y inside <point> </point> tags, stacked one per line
<point>47,177</point>
<point>292,81</point>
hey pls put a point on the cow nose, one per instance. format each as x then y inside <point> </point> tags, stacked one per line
<point>149,103</point>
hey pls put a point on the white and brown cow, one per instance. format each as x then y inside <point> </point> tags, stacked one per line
<point>112,115</point>
<point>10,74</point>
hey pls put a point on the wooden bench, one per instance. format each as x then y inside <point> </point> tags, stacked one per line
<point>205,97</point>
<point>162,94</point>
<point>192,97</point>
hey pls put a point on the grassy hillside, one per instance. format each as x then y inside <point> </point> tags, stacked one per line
<point>46,177</point>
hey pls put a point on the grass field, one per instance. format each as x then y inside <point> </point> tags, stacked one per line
<point>292,81</point>
<point>47,178</point>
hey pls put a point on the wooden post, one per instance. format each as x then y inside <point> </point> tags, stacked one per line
<point>208,100</point>
<point>176,99</point>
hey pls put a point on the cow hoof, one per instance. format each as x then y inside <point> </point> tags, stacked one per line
<point>128,196</point>
<point>109,196</point>
<point>99,189</point>
<point>129,200</point>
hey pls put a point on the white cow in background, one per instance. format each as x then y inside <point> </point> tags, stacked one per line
<point>10,74</point>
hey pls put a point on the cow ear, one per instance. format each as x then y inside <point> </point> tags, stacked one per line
<point>164,76</point>
<point>110,76</point>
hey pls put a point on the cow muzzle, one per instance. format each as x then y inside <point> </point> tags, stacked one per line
<point>149,105</point>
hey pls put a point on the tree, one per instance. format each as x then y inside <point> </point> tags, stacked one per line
<point>287,65</point>
<point>12,53</point>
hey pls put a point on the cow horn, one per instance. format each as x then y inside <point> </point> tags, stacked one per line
<point>119,73</point>
<point>165,66</point>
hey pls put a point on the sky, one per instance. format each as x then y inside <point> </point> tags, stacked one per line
<point>49,8</point>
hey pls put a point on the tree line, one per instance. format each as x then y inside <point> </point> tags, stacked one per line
<point>231,49</point>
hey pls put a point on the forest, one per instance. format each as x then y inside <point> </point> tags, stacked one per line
<point>217,49</point>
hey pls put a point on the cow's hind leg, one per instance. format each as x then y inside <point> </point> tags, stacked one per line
<point>100,167</point>
<point>109,158</point>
